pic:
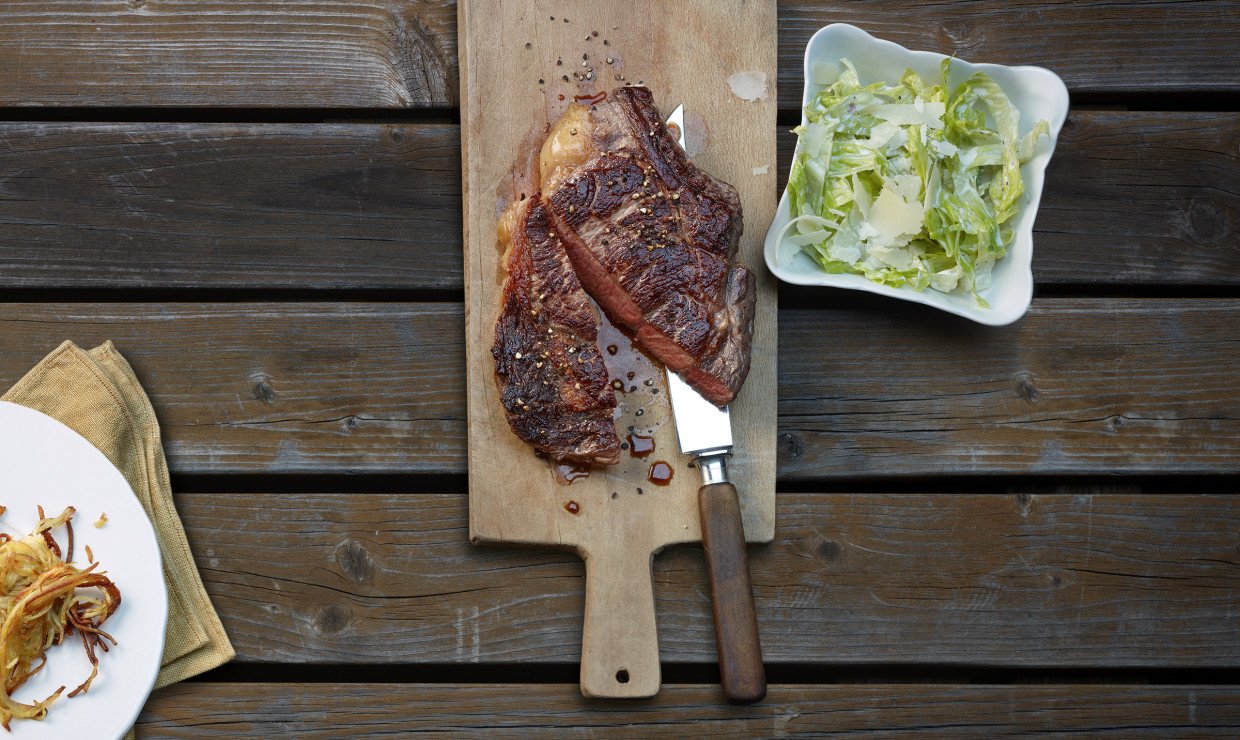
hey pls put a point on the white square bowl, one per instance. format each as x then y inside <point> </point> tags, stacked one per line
<point>1036,92</point>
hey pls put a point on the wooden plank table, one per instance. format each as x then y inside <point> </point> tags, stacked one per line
<point>980,531</point>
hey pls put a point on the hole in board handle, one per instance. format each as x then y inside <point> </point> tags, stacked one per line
<point>622,676</point>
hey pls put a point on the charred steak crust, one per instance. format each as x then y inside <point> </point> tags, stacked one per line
<point>631,222</point>
<point>653,239</point>
<point>552,380</point>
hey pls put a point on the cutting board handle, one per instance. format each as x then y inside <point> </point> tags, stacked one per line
<point>620,643</point>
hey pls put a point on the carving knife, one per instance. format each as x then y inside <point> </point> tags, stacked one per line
<point>704,432</point>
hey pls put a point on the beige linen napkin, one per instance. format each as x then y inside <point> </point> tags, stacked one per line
<point>97,395</point>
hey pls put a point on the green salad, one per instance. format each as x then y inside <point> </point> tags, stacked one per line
<point>907,184</point>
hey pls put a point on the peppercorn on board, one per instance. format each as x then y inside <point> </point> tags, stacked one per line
<point>520,68</point>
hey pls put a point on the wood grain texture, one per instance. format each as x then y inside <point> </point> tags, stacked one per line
<point>686,53</point>
<point>1079,386</point>
<point>180,205</point>
<point>1105,386</point>
<point>1100,47</point>
<point>737,641</point>
<point>277,388</point>
<point>1142,198</point>
<point>1131,199</point>
<point>540,710</point>
<point>392,54</point>
<point>1074,579</point>
<point>285,53</point>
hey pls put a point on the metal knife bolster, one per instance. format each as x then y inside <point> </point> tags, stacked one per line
<point>714,467</point>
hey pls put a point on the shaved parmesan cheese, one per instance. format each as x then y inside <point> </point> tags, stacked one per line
<point>904,114</point>
<point>881,135</point>
<point>896,257</point>
<point>908,186</point>
<point>861,197</point>
<point>896,220</point>
<point>750,86</point>
<point>943,148</point>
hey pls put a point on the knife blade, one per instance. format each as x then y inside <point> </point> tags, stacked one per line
<point>702,428</point>
<point>704,432</point>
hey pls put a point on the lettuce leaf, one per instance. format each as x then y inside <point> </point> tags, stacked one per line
<point>909,184</point>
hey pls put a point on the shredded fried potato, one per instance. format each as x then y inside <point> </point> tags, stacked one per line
<point>44,598</point>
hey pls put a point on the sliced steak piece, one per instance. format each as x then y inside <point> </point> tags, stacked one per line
<point>653,238</point>
<point>551,376</point>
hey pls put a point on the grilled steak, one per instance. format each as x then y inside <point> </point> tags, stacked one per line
<point>551,376</point>
<point>652,238</point>
<point>626,218</point>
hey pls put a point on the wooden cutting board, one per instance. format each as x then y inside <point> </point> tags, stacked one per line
<point>521,64</point>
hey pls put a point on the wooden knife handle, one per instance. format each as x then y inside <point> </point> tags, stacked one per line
<point>736,625</point>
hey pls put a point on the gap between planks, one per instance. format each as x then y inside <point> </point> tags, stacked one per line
<point>378,484</point>
<point>681,674</point>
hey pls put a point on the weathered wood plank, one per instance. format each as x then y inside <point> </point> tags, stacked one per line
<point>1132,198</point>
<point>1105,386</point>
<point>542,710</point>
<point>1064,579</point>
<point>275,53</point>
<point>277,388</point>
<point>389,54</point>
<point>1079,386</point>
<point>1099,47</point>
<point>170,205</point>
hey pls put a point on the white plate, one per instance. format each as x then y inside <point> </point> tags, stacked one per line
<point>1036,92</point>
<point>43,462</point>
